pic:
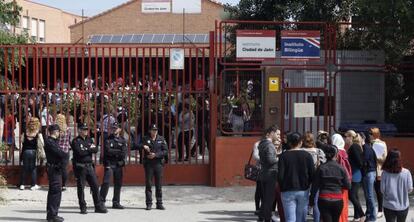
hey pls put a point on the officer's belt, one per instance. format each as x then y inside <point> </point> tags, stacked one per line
<point>83,165</point>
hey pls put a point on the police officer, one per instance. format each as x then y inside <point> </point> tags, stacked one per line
<point>154,151</point>
<point>83,147</point>
<point>55,156</point>
<point>114,161</point>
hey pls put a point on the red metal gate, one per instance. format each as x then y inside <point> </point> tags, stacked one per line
<point>132,84</point>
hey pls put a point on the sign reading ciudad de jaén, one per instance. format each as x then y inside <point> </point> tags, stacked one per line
<point>255,45</point>
<point>156,6</point>
<point>300,44</point>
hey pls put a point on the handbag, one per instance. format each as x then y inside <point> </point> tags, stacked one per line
<point>251,172</point>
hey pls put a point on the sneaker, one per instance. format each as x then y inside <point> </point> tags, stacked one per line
<point>101,210</point>
<point>118,206</point>
<point>21,187</point>
<point>380,214</point>
<point>200,157</point>
<point>35,187</point>
<point>148,207</point>
<point>275,219</point>
<point>160,207</point>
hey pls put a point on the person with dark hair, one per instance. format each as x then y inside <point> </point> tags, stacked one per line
<point>330,179</point>
<point>83,148</point>
<point>154,151</point>
<point>185,127</point>
<point>296,169</point>
<point>115,151</point>
<point>55,156</point>
<point>268,173</point>
<point>396,184</point>
<point>369,168</point>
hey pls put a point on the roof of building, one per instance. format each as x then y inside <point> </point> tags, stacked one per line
<point>44,5</point>
<point>120,6</point>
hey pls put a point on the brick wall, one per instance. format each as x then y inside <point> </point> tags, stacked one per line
<point>128,19</point>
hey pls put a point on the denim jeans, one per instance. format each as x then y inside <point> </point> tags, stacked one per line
<point>295,205</point>
<point>29,167</point>
<point>368,184</point>
<point>316,212</point>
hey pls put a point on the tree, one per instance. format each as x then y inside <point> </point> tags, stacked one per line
<point>9,14</point>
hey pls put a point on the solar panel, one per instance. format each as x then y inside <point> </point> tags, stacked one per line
<point>178,39</point>
<point>116,39</point>
<point>158,38</point>
<point>151,39</point>
<point>199,38</point>
<point>95,39</point>
<point>189,38</point>
<point>147,39</point>
<point>106,39</point>
<point>127,38</point>
<point>136,39</point>
<point>168,39</point>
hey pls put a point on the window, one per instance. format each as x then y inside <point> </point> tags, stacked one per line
<point>42,30</point>
<point>34,29</point>
<point>320,105</point>
<point>25,22</point>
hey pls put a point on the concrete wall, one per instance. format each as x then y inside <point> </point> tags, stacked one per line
<point>128,19</point>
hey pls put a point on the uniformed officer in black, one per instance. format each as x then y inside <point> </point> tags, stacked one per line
<point>154,151</point>
<point>55,157</point>
<point>83,147</point>
<point>114,160</point>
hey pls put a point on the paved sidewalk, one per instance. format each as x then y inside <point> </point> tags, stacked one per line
<point>183,203</point>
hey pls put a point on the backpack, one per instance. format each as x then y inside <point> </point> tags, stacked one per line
<point>342,159</point>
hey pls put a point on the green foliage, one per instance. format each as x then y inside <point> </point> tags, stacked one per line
<point>9,12</point>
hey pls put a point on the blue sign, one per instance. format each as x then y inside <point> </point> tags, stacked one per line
<point>301,45</point>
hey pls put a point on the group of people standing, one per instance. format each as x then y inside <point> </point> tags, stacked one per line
<point>55,150</point>
<point>302,172</point>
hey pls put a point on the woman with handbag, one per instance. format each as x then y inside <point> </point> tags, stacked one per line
<point>32,150</point>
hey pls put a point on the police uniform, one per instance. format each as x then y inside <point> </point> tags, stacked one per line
<point>84,170</point>
<point>55,156</point>
<point>154,168</point>
<point>114,160</point>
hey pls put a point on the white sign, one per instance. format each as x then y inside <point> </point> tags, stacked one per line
<point>156,6</point>
<point>177,58</point>
<point>304,110</point>
<point>190,6</point>
<point>256,45</point>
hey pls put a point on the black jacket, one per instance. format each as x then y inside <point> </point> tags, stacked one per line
<point>54,154</point>
<point>82,151</point>
<point>296,169</point>
<point>355,157</point>
<point>115,151</point>
<point>268,160</point>
<point>330,178</point>
<point>370,160</point>
<point>157,146</point>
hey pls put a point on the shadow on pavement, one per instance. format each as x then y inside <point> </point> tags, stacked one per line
<point>19,219</point>
<point>44,212</point>
<point>241,216</point>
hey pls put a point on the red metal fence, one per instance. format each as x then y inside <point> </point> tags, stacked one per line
<point>97,84</point>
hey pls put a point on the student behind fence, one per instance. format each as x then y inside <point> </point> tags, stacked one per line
<point>330,179</point>
<point>186,127</point>
<point>355,155</point>
<point>368,177</point>
<point>396,184</point>
<point>380,149</point>
<point>295,173</point>
<point>32,144</point>
<point>268,172</point>
<point>64,144</point>
<point>318,157</point>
